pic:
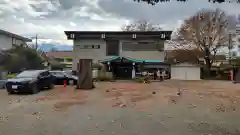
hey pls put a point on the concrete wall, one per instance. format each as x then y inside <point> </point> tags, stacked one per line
<point>5,42</point>
<point>144,55</point>
<point>185,71</point>
<point>18,42</point>
<point>95,54</point>
<point>100,54</point>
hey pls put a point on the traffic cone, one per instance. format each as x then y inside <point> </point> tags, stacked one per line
<point>231,75</point>
<point>65,83</point>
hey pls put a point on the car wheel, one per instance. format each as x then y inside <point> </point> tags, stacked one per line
<point>34,89</point>
<point>71,82</point>
<point>74,82</point>
<point>10,92</point>
<point>51,86</point>
<point>68,81</point>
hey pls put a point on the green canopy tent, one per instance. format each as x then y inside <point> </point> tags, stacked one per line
<point>119,58</point>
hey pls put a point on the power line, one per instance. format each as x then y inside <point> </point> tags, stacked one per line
<point>36,42</point>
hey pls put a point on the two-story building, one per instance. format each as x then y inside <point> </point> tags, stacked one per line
<point>124,53</point>
<point>8,40</point>
<point>64,57</point>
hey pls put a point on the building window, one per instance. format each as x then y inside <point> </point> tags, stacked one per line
<point>90,47</point>
<point>112,48</point>
<point>72,36</point>
<point>87,47</point>
<point>59,59</point>
<point>103,36</point>
<point>69,59</point>
<point>134,36</point>
<point>163,36</point>
<point>95,46</point>
<point>14,41</point>
<point>142,46</point>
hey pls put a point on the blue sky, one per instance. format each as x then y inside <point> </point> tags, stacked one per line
<point>49,18</point>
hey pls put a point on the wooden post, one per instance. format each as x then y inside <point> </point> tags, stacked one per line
<point>85,80</point>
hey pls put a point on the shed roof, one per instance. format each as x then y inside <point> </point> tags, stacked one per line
<point>15,36</point>
<point>187,63</point>
<point>130,59</point>
<point>59,54</point>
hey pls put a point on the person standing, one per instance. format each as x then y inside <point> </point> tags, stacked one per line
<point>155,75</point>
<point>161,78</point>
<point>163,75</point>
<point>158,74</point>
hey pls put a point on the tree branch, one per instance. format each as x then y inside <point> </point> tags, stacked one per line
<point>153,2</point>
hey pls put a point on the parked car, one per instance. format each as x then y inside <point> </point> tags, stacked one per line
<point>60,76</point>
<point>30,81</point>
<point>2,84</point>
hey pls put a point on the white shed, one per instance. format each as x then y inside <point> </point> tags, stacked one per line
<point>185,71</point>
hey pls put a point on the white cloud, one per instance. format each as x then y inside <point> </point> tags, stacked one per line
<point>50,18</point>
<point>72,24</point>
<point>21,20</point>
<point>53,41</point>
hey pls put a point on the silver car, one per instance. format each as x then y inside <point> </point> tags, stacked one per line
<point>2,84</point>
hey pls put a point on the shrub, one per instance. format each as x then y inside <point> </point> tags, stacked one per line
<point>97,65</point>
<point>9,76</point>
<point>104,78</point>
<point>142,79</point>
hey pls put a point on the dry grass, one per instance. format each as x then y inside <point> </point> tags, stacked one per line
<point>63,105</point>
<point>63,98</point>
<point>204,107</point>
<point>214,94</point>
<point>218,95</point>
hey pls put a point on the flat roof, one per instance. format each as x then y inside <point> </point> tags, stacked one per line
<point>15,36</point>
<point>59,54</point>
<point>164,35</point>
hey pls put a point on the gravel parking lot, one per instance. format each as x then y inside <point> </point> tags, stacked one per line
<point>117,108</point>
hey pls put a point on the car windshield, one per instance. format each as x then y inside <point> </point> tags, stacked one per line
<point>68,73</point>
<point>58,73</point>
<point>28,74</point>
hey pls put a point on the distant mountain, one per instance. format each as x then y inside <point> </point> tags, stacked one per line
<point>49,47</point>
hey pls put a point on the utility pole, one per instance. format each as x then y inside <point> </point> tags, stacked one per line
<point>229,47</point>
<point>36,42</point>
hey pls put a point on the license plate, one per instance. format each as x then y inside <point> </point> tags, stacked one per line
<point>14,87</point>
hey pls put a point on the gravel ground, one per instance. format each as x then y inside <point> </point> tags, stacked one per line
<point>117,108</point>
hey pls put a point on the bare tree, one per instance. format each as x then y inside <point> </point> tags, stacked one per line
<point>206,31</point>
<point>153,2</point>
<point>141,25</point>
<point>178,55</point>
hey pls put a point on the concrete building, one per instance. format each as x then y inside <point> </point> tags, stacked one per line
<point>123,52</point>
<point>64,57</point>
<point>185,71</point>
<point>8,40</point>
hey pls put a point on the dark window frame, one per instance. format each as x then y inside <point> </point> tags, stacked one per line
<point>112,49</point>
<point>69,60</point>
<point>59,59</point>
<point>44,74</point>
<point>90,47</point>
